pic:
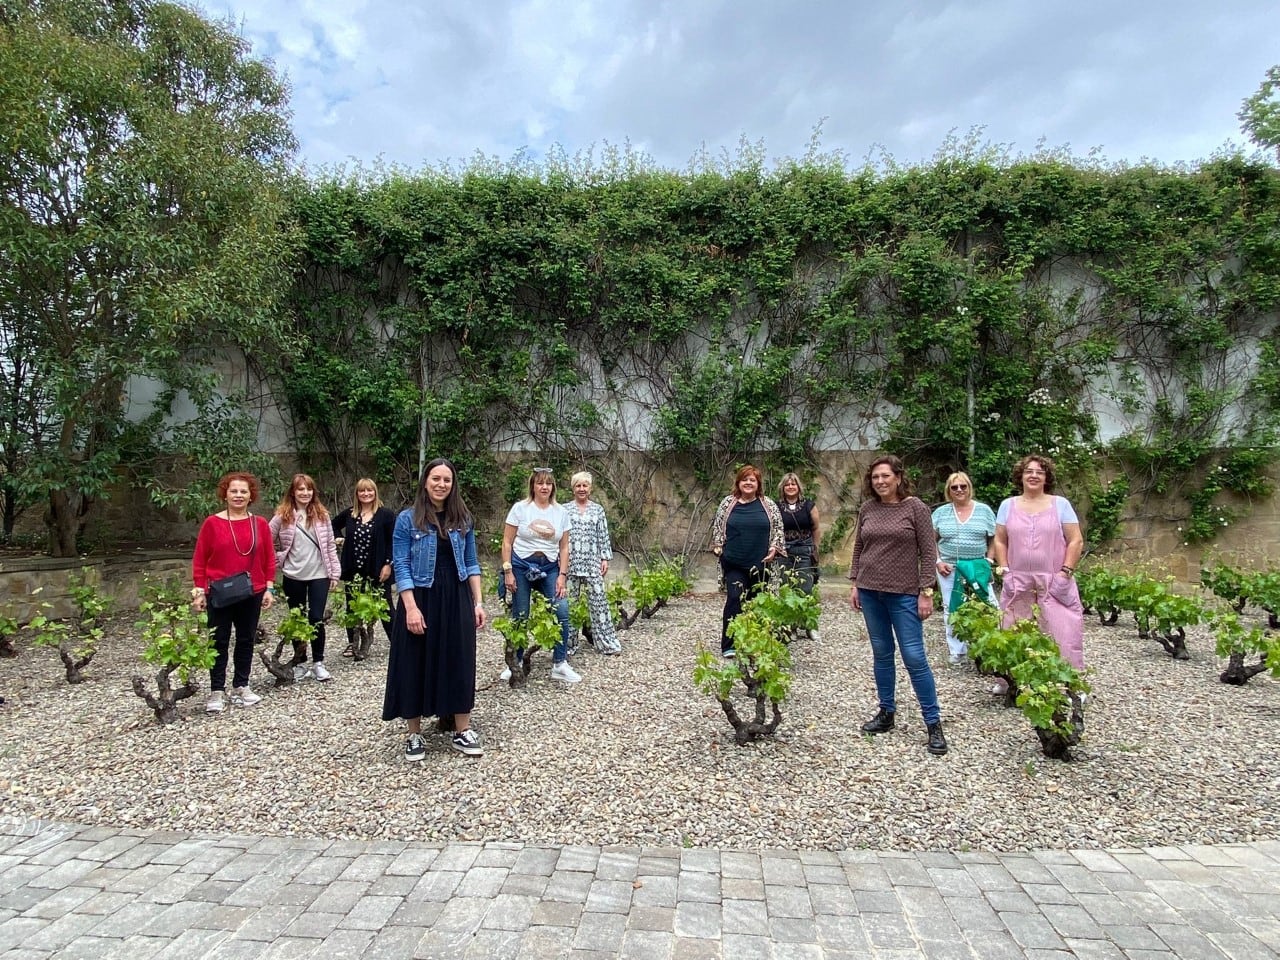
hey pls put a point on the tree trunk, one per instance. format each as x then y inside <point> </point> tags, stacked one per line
<point>63,523</point>
<point>1237,674</point>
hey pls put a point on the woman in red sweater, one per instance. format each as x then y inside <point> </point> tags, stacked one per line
<point>234,541</point>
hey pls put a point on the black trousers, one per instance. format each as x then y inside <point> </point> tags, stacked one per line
<point>243,618</point>
<point>739,584</point>
<point>312,595</point>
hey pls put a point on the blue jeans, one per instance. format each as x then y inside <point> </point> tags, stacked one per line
<point>547,587</point>
<point>887,614</point>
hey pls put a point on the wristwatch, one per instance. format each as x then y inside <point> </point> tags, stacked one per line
<point>506,566</point>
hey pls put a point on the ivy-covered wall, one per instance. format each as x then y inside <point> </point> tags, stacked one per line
<point>661,328</point>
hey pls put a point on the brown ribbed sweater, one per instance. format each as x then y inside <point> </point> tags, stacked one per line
<point>896,550</point>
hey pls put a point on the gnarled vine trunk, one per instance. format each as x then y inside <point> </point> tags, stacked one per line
<point>1237,673</point>
<point>164,703</point>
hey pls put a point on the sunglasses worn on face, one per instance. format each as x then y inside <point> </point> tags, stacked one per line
<point>957,487</point>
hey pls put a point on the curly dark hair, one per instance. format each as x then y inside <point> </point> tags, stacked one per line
<point>1050,478</point>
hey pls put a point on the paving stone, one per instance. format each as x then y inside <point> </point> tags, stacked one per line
<point>103,902</point>
<point>646,944</point>
<point>524,885</point>
<point>698,886</point>
<point>498,855</point>
<point>945,950</point>
<point>456,857</point>
<point>741,866</point>
<point>494,945</point>
<point>1210,856</point>
<point>885,901</point>
<point>1033,932</point>
<point>1132,936</point>
<point>867,876</point>
<point>324,869</point>
<point>569,885</point>
<point>176,918</point>
<point>691,948</point>
<point>556,913</point>
<point>886,931</point>
<point>192,943</point>
<point>482,882</point>
<point>371,913</point>
<point>1140,864</point>
<point>58,933</point>
<point>368,867</point>
<point>267,923</point>
<point>1186,941</point>
<point>1094,949</point>
<point>437,885</point>
<point>656,892</point>
<point>698,920</point>
<point>816,874</point>
<point>991,876</point>
<point>738,889</point>
<point>743,946</point>
<point>222,917</point>
<point>656,866</point>
<point>1180,895</point>
<point>536,860</point>
<point>1241,946</point>
<point>793,930</point>
<point>700,860</point>
<point>906,873</point>
<point>1012,901</point>
<point>652,918</point>
<point>994,945</point>
<point>462,914</point>
<point>412,862</point>
<point>53,903</point>
<point>953,882</point>
<point>617,865</point>
<point>391,943</point>
<point>340,896</point>
<point>1027,869</point>
<point>1099,861</point>
<point>354,945</point>
<point>314,925</point>
<point>744,917</point>
<point>846,933</point>
<point>417,913</point>
<point>936,926</point>
<point>779,871</point>
<point>601,932</point>
<point>546,942</point>
<point>612,896</point>
<point>794,950</point>
<point>510,913</point>
<point>788,902</point>
<point>578,860</point>
<point>828,899</point>
<point>1051,893</point>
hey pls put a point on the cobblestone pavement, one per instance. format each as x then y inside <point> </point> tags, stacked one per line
<point>72,891</point>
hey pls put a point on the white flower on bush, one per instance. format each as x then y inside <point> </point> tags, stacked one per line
<point>1040,397</point>
<point>992,417</point>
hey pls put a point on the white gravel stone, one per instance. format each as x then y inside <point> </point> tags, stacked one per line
<point>634,755</point>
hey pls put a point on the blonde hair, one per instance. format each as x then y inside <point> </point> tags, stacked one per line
<point>581,477</point>
<point>958,477</point>
<point>355,494</point>
<point>787,478</point>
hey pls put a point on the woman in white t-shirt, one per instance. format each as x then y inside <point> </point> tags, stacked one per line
<point>535,556</point>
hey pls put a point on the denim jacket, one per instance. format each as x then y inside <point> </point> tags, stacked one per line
<point>413,553</point>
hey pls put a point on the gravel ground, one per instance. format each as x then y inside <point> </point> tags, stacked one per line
<point>634,755</point>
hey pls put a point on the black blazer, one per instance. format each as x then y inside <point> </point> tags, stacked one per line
<point>344,525</point>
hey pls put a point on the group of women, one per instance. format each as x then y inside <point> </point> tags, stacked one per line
<point>1033,542</point>
<point>429,552</point>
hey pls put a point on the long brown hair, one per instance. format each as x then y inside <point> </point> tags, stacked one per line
<point>456,514</point>
<point>316,513</point>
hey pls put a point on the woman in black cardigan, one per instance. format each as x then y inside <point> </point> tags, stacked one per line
<point>366,547</point>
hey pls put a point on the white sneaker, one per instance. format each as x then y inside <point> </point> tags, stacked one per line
<point>505,675</point>
<point>563,672</point>
<point>320,673</point>
<point>244,697</point>
<point>301,672</point>
<point>217,702</point>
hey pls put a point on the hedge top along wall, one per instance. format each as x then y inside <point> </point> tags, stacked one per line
<point>644,323</point>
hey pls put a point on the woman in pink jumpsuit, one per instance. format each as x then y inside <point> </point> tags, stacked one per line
<point>1037,547</point>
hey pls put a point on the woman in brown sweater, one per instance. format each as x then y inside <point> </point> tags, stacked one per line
<point>894,557</point>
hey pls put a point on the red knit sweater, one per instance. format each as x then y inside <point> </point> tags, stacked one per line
<point>218,556</point>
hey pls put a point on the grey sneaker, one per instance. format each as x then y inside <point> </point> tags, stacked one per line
<point>244,697</point>
<point>301,672</point>
<point>416,748</point>
<point>320,673</point>
<point>468,742</point>
<point>217,702</point>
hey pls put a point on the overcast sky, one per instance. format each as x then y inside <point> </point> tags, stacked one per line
<point>418,82</point>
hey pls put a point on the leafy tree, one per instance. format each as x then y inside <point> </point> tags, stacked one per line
<point>1260,114</point>
<point>142,231</point>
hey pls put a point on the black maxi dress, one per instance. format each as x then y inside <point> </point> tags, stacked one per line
<point>433,674</point>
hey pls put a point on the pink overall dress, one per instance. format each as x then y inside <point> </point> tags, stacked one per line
<point>1037,549</point>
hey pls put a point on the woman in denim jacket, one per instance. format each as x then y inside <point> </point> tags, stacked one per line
<point>431,670</point>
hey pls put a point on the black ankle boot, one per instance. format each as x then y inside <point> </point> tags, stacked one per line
<point>882,722</point>
<point>937,742</point>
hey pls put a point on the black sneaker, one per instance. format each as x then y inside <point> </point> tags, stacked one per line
<point>882,722</point>
<point>937,742</point>
<point>416,748</point>
<point>467,741</point>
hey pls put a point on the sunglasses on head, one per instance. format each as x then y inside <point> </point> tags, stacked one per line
<point>543,470</point>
